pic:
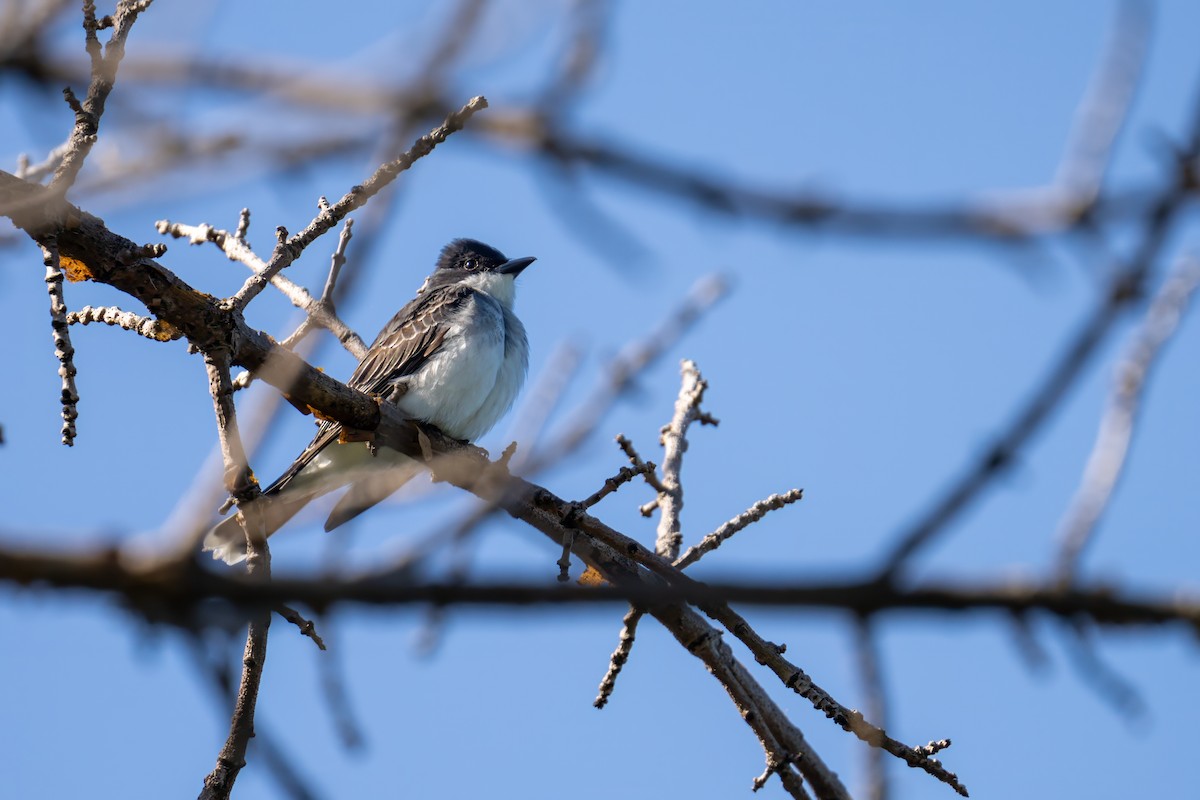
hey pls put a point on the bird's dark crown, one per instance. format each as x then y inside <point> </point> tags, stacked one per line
<point>471,256</point>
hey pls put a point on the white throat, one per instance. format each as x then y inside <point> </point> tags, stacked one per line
<point>502,288</point>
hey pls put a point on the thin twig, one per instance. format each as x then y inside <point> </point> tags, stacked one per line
<point>35,172</point>
<point>564,562</point>
<point>624,475</point>
<point>674,442</point>
<point>751,515</point>
<point>635,459</point>
<point>237,478</point>
<point>1109,685</point>
<point>64,351</point>
<point>289,251</point>
<point>617,660</point>
<point>322,308</point>
<point>337,261</point>
<point>305,626</point>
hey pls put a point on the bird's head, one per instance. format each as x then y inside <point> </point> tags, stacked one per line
<point>467,256</point>
<point>480,266</point>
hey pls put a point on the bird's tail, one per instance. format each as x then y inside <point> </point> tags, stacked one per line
<point>368,486</point>
<point>370,489</point>
<point>227,541</point>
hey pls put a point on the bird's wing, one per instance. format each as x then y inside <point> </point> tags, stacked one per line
<point>404,345</point>
<point>409,339</point>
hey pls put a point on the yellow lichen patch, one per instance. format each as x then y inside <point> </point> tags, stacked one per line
<point>591,577</point>
<point>166,332</point>
<point>317,413</point>
<point>74,269</point>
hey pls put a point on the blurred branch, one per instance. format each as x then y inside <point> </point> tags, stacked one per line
<point>622,373</point>
<point>1124,289</point>
<point>541,131</point>
<point>1073,193</point>
<point>154,588</point>
<point>1109,453</point>
<point>866,645</point>
<point>272,756</point>
<point>288,251</point>
<point>1106,102</point>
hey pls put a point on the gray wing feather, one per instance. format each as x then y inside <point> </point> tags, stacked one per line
<point>404,345</point>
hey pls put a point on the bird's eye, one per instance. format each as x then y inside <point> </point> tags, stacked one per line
<point>469,264</point>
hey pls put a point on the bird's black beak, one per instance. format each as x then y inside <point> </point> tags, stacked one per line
<point>514,265</point>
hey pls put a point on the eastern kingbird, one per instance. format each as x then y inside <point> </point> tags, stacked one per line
<point>455,357</point>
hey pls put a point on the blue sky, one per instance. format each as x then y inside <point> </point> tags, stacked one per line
<point>867,371</point>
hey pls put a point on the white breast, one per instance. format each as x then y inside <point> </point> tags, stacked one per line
<point>508,379</point>
<point>475,376</point>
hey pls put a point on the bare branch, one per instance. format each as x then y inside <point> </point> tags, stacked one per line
<point>623,476</point>
<point>154,329</point>
<point>104,75</point>
<point>236,248</point>
<point>242,486</point>
<point>219,783</point>
<point>781,741</point>
<point>337,261</point>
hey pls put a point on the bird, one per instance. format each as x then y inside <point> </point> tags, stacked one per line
<point>455,356</point>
